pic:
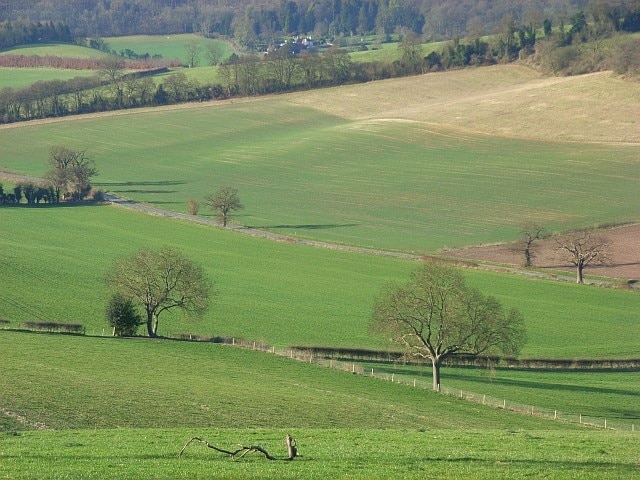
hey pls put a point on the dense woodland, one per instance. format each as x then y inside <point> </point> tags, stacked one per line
<point>261,21</point>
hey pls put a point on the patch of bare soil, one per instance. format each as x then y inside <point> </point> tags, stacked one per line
<point>624,255</point>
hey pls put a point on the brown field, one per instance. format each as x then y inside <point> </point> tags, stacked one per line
<point>624,255</point>
<point>506,100</point>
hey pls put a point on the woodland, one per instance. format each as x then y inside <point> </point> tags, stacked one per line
<point>260,21</point>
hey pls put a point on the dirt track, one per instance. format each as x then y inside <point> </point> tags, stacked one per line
<point>624,244</point>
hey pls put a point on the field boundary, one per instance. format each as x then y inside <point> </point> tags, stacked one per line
<point>355,368</point>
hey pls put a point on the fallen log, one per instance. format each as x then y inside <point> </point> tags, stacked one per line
<point>292,449</point>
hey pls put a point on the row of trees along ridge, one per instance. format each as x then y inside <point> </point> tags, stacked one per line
<point>255,24</point>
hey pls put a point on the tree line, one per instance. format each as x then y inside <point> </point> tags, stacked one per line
<point>257,25</point>
<point>68,179</point>
<point>23,32</point>
<point>254,23</point>
<point>113,89</point>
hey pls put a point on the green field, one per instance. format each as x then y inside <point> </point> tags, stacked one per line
<point>327,453</point>
<point>391,185</point>
<point>383,164</point>
<point>346,426</point>
<point>23,77</point>
<point>170,47</point>
<point>56,50</point>
<point>276,292</point>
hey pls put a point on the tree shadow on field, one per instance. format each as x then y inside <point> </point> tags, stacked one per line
<point>308,226</point>
<point>540,385</point>
<point>37,206</point>
<point>549,465</point>
<point>140,190</point>
<point>158,183</point>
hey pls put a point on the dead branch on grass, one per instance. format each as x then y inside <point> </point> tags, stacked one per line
<point>292,449</point>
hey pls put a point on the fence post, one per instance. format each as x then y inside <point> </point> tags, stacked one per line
<point>414,383</point>
<point>372,372</point>
<point>555,414</point>
<point>392,375</point>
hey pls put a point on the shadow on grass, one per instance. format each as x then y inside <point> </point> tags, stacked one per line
<point>139,190</point>
<point>536,385</point>
<point>542,385</point>
<point>159,183</point>
<point>308,226</point>
<point>38,206</point>
<point>552,465</point>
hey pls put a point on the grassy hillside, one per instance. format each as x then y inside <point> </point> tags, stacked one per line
<point>78,382</point>
<point>55,260</point>
<point>380,174</point>
<point>170,47</point>
<point>23,77</point>
<point>346,426</point>
<point>57,50</point>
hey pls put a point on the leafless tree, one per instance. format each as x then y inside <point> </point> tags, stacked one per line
<point>224,201</point>
<point>529,233</point>
<point>583,248</point>
<point>161,280</point>
<point>436,315</point>
<point>214,53</point>
<point>71,171</point>
<point>193,50</point>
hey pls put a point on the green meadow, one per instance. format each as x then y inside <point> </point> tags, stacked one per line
<point>353,172</point>
<point>55,50</point>
<point>125,408</point>
<point>276,292</point>
<point>23,77</point>
<point>170,47</point>
<point>392,185</point>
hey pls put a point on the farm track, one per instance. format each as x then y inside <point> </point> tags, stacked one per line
<point>451,255</point>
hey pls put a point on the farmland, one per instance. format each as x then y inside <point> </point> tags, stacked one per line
<point>301,295</point>
<point>340,174</point>
<point>392,165</point>
<point>346,426</point>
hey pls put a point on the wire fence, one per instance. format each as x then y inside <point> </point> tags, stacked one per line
<point>357,368</point>
<point>424,383</point>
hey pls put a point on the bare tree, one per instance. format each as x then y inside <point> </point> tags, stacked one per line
<point>71,171</point>
<point>224,201</point>
<point>582,248</point>
<point>411,53</point>
<point>161,280</point>
<point>529,233</point>
<point>112,70</point>
<point>214,53</point>
<point>193,50</point>
<point>436,315</point>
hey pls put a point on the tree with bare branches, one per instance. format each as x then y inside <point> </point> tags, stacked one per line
<point>436,315</point>
<point>161,280</point>
<point>71,171</point>
<point>224,201</point>
<point>529,233</point>
<point>583,248</point>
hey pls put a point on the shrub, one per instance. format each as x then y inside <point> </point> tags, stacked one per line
<point>76,328</point>
<point>123,316</point>
<point>193,206</point>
